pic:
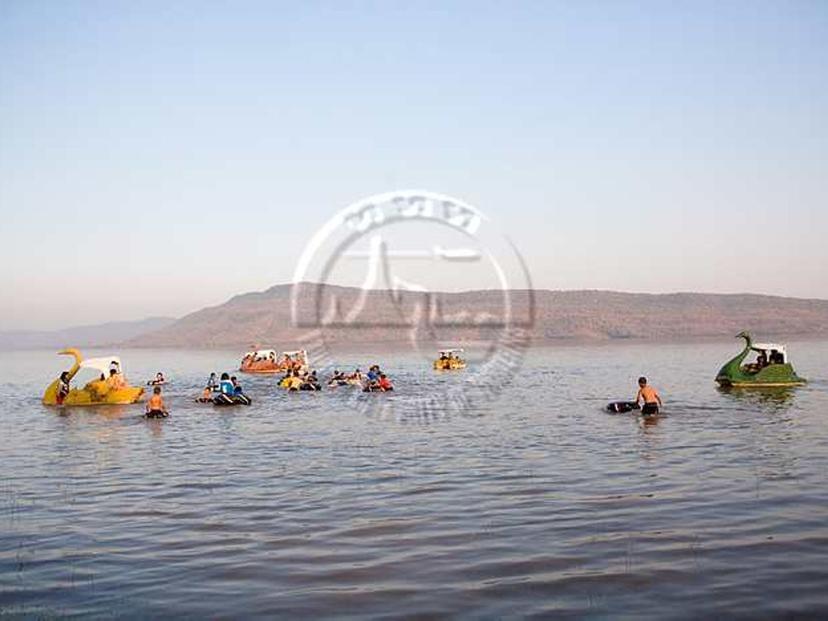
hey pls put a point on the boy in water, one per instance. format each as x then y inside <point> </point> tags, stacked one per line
<point>212,383</point>
<point>155,406</point>
<point>651,398</point>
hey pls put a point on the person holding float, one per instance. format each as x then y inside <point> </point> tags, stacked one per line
<point>158,381</point>
<point>650,397</point>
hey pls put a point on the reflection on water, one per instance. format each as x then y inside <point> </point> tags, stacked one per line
<point>777,397</point>
<point>772,428</point>
<point>539,504</point>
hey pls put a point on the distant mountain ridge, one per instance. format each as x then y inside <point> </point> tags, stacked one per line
<point>264,317</point>
<point>98,335</point>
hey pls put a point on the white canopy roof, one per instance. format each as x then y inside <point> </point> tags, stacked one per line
<point>768,347</point>
<point>102,364</point>
<point>451,351</point>
<point>261,353</point>
<point>264,353</point>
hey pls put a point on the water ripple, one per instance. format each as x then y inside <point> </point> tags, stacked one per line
<point>534,506</point>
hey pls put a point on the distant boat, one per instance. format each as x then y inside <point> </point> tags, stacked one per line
<point>449,360</point>
<point>771,368</point>
<point>267,361</point>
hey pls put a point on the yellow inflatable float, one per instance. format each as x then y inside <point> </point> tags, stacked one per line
<point>109,389</point>
<point>449,360</point>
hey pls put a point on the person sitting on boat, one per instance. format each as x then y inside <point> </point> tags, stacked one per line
<point>212,383</point>
<point>650,396</point>
<point>114,366</point>
<point>206,395</point>
<point>238,393</point>
<point>226,390</point>
<point>63,387</point>
<point>115,381</point>
<point>226,386</point>
<point>385,383</point>
<point>337,379</point>
<point>356,375</point>
<point>155,406</point>
<point>761,363</point>
<point>373,373</point>
<point>776,357</point>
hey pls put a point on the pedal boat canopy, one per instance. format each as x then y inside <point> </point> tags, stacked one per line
<point>102,364</point>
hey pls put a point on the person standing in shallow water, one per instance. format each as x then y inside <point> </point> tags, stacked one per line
<point>650,396</point>
<point>156,407</point>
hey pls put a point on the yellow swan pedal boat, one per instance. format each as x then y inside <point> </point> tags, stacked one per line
<point>96,392</point>
<point>449,360</point>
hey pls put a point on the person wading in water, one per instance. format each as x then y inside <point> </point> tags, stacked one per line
<point>650,396</point>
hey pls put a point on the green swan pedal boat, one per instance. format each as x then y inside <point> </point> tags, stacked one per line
<point>770,369</point>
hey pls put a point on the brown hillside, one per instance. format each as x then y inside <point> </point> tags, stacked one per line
<point>265,317</point>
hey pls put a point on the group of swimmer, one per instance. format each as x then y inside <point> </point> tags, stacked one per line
<point>227,390</point>
<point>295,379</point>
<point>224,391</point>
<point>156,408</point>
<point>373,381</point>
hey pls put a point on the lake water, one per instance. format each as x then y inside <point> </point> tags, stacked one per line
<point>537,504</point>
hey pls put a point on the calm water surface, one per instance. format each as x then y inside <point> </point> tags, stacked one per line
<point>538,504</point>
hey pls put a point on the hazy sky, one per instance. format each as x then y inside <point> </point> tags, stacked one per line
<point>155,158</point>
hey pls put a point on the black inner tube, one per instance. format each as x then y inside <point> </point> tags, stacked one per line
<point>619,407</point>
